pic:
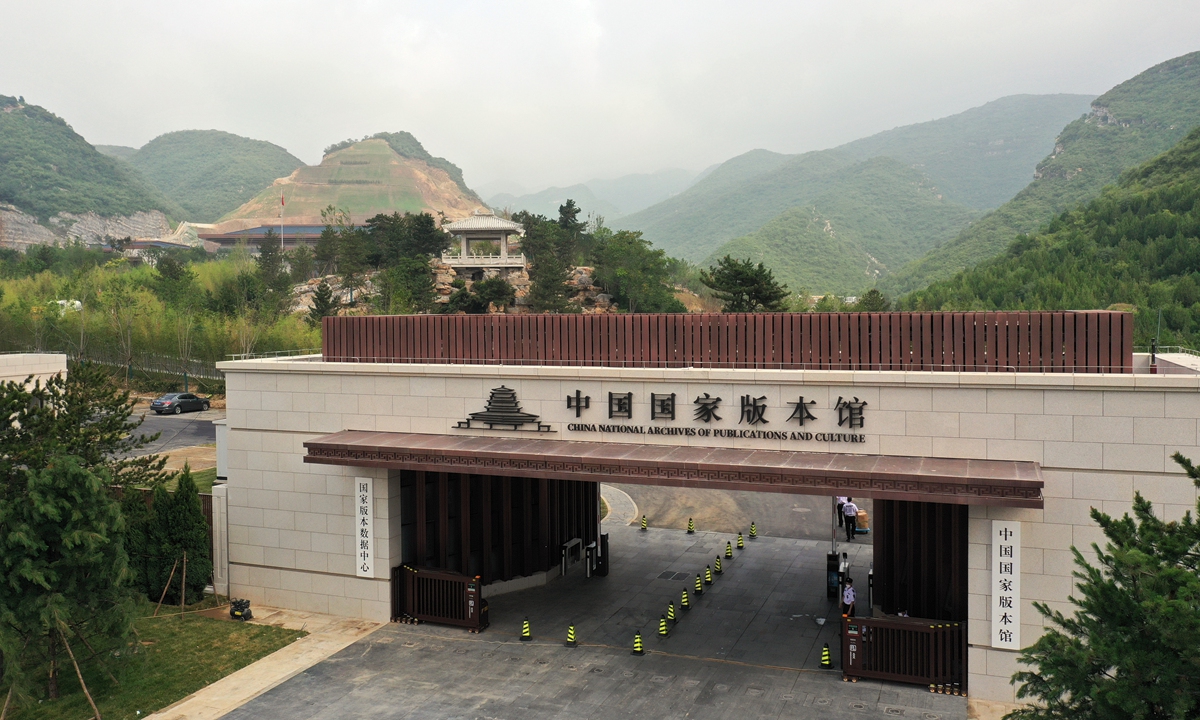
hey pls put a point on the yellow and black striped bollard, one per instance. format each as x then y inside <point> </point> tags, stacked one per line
<point>753,531</point>
<point>643,522</point>
<point>707,575</point>
<point>671,612</point>
<point>526,635</point>
<point>691,526</point>
<point>637,644</point>
<point>741,542</point>
<point>571,637</point>
<point>699,585</point>
<point>663,630</point>
<point>683,600</point>
<point>717,565</point>
<point>728,549</point>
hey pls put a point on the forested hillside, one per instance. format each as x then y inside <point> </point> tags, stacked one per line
<point>546,202</point>
<point>1137,243</point>
<point>608,198</point>
<point>1127,125</point>
<point>875,215</point>
<point>47,168</point>
<point>984,156</point>
<point>209,172</point>
<point>977,158</point>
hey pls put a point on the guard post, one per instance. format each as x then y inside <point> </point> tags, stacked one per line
<point>832,574</point>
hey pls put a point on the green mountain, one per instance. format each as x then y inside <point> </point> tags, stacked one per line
<point>547,201</point>
<point>1127,125</point>
<point>47,168</point>
<point>977,158</point>
<point>873,215</point>
<point>120,152</point>
<point>1137,243</point>
<point>209,172</point>
<point>609,198</point>
<point>984,156</point>
<point>736,199</point>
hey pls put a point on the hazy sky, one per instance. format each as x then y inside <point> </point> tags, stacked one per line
<point>559,91</point>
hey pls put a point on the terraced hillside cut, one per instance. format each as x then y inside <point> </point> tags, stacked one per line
<point>365,178</point>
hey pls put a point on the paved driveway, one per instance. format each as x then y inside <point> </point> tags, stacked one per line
<point>178,431</point>
<point>749,648</point>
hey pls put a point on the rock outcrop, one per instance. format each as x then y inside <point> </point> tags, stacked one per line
<point>20,231</point>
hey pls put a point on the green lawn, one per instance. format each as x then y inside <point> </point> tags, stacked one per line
<point>169,659</point>
<point>204,480</point>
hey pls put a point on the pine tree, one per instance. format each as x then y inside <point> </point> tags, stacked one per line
<point>324,304</point>
<point>65,570</point>
<point>270,262</point>
<point>1131,649</point>
<point>743,287</point>
<point>547,246</point>
<point>83,414</point>
<point>872,301</point>
<point>180,528</point>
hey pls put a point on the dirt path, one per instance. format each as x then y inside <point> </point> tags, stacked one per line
<point>807,517</point>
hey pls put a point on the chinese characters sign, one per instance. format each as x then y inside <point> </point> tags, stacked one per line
<point>364,527</point>
<point>1006,584</point>
<point>757,418</point>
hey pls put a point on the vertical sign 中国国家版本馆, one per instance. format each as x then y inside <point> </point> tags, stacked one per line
<point>1006,584</point>
<point>364,527</point>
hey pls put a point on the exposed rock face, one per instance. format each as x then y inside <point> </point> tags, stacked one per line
<point>19,230</point>
<point>91,228</point>
<point>588,296</point>
<point>302,294</point>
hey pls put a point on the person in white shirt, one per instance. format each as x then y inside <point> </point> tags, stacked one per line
<point>841,502</point>
<point>850,511</point>
<point>848,598</point>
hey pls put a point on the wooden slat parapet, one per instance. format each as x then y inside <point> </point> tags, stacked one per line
<point>1071,342</point>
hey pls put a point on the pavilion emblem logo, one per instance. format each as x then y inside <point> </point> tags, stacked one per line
<point>503,412</point>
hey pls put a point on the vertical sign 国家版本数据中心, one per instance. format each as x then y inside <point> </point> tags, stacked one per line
<point>364,527</point>
<point>1006,584</point>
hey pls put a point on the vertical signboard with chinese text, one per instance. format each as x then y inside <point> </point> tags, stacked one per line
<point>364,527</point>
<point>1006,584</point>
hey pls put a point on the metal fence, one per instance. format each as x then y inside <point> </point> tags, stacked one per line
<point>438,596</point>
<point>907,650</point>
<point>150,362</point>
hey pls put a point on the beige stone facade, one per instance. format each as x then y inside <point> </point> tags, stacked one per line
<point>1098,438</point>
<point>17,367</point>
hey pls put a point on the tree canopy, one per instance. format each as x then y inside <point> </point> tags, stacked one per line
<point>744,287</point>
<point>1131,649</point>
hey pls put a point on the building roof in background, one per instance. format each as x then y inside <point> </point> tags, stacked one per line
<point>484,220</point>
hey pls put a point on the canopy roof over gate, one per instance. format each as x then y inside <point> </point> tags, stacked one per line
<point>945,480</point>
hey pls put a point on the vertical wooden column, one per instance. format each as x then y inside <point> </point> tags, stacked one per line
<point>528,487</point>
<point>506,527</point>
<point>422,533</point>
<point>486,530</point>
<point>443,519</point>
<point>464,521</point>
<point>543,549</point>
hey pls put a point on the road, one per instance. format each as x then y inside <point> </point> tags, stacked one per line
<point>178,431</point>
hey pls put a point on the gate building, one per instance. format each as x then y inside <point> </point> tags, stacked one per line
<point>476,444</point>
